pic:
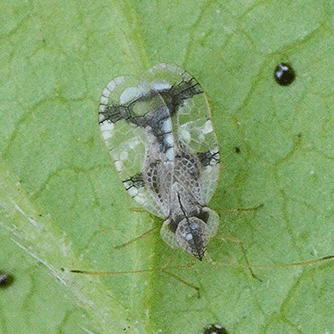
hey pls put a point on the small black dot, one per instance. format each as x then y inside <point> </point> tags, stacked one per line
<point>237,150</point>
<point>284,74</point>
<point>215,329</point>
<point>6,280</point>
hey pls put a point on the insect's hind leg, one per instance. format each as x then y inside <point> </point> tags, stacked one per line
<point>144,235</point>
<point>244,254</point>
<point>238,242</point>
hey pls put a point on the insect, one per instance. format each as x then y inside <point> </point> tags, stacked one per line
<point>159,132</point>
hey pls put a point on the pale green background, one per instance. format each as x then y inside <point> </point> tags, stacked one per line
<point>63,206</point>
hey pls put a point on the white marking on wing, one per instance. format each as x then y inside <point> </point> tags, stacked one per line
<point>107,129</point>
<point>133,142</point>
<point>118,165</point>
<point>130,94</point>
<point>160,86</point>
<point>106,135</point>
<point>184,134</point>
<point>169,140</point>
<point>102,108</point>
<point>140,199</point>
<point>207,128</point>
<point>167,125</point>
<point>170,154</point>
<point>124,155</point>
<point>119,80</point>
<point>133,191</point>
<point>111,85</point>
<point>106,92</point>
<point>104,100</point>
<point>107,126</point>
<point>208,169</point>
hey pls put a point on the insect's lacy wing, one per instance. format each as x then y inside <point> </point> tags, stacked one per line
<point>213,221</point>
<point>168,236</point>
<point>191,117</point>
<point>158,177</point>
<point>126,142</point>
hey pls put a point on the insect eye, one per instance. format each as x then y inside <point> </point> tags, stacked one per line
<point>194,226</point>
<point>189,236</point>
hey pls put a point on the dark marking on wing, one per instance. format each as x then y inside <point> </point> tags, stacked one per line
<point>203,215</point>
<point>116,112</point>
<point>152,177</point>
<point>186,166</point>
<point>153,117</point>
<point>136,181</point>
<point>156,121</point>
<point>208,158</point>
<point>175,96</point>
<point>113,113</point>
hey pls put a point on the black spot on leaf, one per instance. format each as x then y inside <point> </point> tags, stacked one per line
<point>284,74</point>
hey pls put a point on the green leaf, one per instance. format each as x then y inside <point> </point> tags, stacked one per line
<point>63,206</point>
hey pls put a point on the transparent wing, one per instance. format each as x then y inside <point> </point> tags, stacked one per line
<point>123,115</point>
<point>122,112</point>
<point>191,118</point>
<point>168,236</point>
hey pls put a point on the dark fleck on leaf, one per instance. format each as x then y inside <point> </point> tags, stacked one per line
<point>6,280</point>
<point>284,74</point>
<point>214,329</point>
